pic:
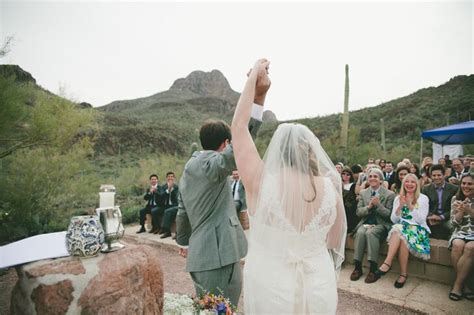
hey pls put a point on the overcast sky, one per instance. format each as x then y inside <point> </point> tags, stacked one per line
<point>105,51</point>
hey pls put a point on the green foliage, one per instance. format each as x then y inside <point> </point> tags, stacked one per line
<point>405,118</point>
<point>45,168</point>
<point>131,215</point>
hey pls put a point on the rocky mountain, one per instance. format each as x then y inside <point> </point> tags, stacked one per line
<point>168,122</point>
<point>169,115</point>
<point>197,85</point>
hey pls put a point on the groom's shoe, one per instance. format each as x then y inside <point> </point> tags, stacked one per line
<point>356,274</point>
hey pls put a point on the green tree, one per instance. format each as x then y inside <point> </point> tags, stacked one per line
<point>45,147</point>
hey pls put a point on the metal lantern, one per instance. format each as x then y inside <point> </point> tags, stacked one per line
<point>111,221</point>
<point>110,218</point>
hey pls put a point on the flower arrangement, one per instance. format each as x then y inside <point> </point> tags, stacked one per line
<point>205,304</point>
<point>212,303</point>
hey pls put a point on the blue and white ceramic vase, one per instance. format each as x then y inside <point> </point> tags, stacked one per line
<point>85,236</point>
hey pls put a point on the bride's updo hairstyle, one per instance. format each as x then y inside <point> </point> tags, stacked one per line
<point>296,148</point>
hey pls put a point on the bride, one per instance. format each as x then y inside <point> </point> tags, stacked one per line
<point>297,219</point>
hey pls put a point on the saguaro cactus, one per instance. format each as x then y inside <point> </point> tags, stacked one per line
<point>382,134</point>
<point>345,115</point>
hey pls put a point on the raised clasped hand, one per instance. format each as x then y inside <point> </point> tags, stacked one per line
<point>262,85</point>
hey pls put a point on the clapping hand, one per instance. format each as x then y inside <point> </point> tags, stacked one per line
<point>375,201</point>
<point>434,219</point>
<point>463,206</point>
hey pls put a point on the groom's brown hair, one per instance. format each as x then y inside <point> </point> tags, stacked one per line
<point>213,133</point>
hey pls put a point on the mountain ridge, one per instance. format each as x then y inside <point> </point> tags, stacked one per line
<point>168,121</point>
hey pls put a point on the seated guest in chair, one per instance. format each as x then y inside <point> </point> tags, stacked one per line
<point>152,198</point>
<point>169,204</point>
<point>462,240</point>
<point>439,193</point>
<point>374,209</point>
<point>410,233</point>
<point>349,198</point>
<point>238,192</point>
<point>458,171</point>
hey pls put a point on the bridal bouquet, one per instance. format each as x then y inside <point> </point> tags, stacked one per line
<point>210,303</point>
<point>205,304</point>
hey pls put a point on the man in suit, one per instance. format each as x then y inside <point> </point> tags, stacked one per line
<point>152,197</point>
<point>169,204</point>
<point>439,193</point>
<point>206,219</point>
<point>389,174</point>
<point>238,192</point>
<point>458,171</point>
<point>374,210</point>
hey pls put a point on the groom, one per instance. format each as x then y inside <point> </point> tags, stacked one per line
<point>206,220</point>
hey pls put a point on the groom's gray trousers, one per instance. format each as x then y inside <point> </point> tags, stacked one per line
<point>227,279</point>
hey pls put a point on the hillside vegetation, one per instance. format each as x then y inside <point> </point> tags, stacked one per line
<point>55,154</point>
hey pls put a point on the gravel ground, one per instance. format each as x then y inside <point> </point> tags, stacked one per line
<point>178,281</point>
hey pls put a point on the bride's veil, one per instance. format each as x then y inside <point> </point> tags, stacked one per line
<point>300,194</point>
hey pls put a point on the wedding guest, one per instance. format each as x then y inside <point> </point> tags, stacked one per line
<point>238,192</point>
<point>350,199</point>
<point>382,164</point>
<point>425,171</point>
<point>356,172</point>
<point>363,182</point>
<point>374,208</point>
<point>439,193</point>
<point>447,169</point>
<point>169,204</point>
<point>407,162</point>
<point>388,173</point>
<point>409,234</point>
<point>339,167</point>
<point>414,169</point>
<point>458,171</point>
<point>152,197</point>
<point>462,239</point>
<point>467,163</point>
<point>448,160</point>
<point>400,174</point>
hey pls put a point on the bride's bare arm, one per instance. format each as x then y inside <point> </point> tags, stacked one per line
<point>246,155</point>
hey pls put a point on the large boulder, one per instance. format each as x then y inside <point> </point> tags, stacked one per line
<point>128,281</point>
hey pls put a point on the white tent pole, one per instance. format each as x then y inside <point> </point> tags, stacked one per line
<point>421,151</point>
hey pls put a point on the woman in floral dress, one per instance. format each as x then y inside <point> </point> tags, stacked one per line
<point>462,240</point>
<point>410,233</point>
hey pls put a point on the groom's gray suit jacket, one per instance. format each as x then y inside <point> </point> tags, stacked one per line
<point>206,219</point>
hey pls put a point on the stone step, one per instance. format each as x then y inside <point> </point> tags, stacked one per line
<point>438,268</point>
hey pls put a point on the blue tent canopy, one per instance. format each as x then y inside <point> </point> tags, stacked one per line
<point>462,133</point>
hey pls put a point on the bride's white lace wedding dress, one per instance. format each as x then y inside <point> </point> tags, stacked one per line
<point>296,239</point>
